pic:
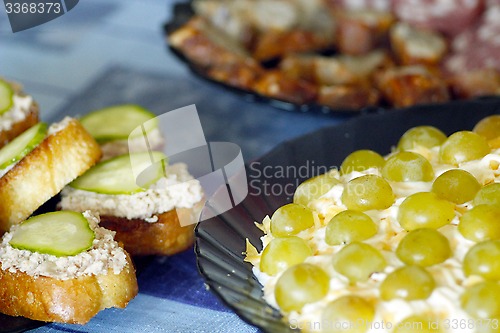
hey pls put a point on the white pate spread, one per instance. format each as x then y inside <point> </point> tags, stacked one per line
<point>18,112</point>
<point>177,190</point>
<point>104,255</point>
<point>443,305</point>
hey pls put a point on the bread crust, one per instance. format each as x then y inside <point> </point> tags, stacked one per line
<point>17,128</point>
<point>41,174</point>
<point>73,301</point>
<point>165,237</point>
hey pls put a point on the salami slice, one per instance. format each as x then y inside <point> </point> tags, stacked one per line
<point>479,46</point>
<point>447,16</point>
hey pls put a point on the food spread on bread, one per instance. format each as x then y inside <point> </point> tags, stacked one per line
<point>276,48</point>
<point>62,267</point>
<point>67,265</point>
<point>150,209</point>
<point>384,243</point>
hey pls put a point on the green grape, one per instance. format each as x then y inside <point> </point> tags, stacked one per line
<point>457,186</point>
<point>314,188</point>
<point>361,160</point>
<point>352,312</point>
<point>417,324</point>
<point>291,219</point>
<point>425,136</point>
<point>481,301</point>
<point>488,195</point>
<point>407,166</point>
<point>488,127</point>
<point>282,253</point>
<point>423,247</point>
<point>481,223</point>
<point>368,192</point>
<point>483,259</point>
<point>357,261</point>
<point>425,210</point>
<point>349,226</point>
<point>409,283</point>
<point>463,146</point>
<point>299,285</point>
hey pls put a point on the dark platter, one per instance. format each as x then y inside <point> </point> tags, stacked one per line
<point>220,241</point>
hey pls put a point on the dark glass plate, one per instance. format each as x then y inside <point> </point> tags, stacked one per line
<point>220,241</point>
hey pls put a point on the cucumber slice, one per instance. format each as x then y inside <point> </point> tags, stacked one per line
<point>115,176</point>
<point>22,145</point>
<point>117,122</point>
<point>61,233</point>
<point>6,97</point>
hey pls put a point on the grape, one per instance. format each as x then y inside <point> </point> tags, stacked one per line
<point>352,312</point>
<point>457,186</point>
<point>481,301</point>
<point>299,285</point>
<point>291,219</point>
<point>282,253</point>
<point>368,192</point>
<point>417,324</point>
<point>407,166</point>
<point>426,136</point>
<point>349,226</point>
<point>463,146</point>
<point>481,223</point>
<point>357,261</point>
<point>425,210</point>
<point>488,127</point>
<point>361,160</point>
<point>407,282</point>
<point>423,247</point>
<point>489,195</point>
<point>483,259</point>
<point>314,188</point>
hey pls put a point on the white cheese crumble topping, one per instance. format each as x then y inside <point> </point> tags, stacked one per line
<point>18,112</point>
<point>450,279</point>
<point>177,190</point>
<point>104,255</point>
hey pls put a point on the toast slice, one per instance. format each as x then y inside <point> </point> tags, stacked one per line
<point>69,289</point>
<point>23,114</point>
<point>67,152</point>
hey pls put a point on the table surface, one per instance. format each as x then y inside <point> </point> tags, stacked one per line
<point>108,52</point>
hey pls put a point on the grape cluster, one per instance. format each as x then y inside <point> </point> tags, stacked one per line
<point>391,243</point>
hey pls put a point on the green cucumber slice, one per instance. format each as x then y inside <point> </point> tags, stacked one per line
<point>22,145</point>
<point>6,97</point>
<point>115,176</point>
<point>61,233</point>
<point>118,122</point>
